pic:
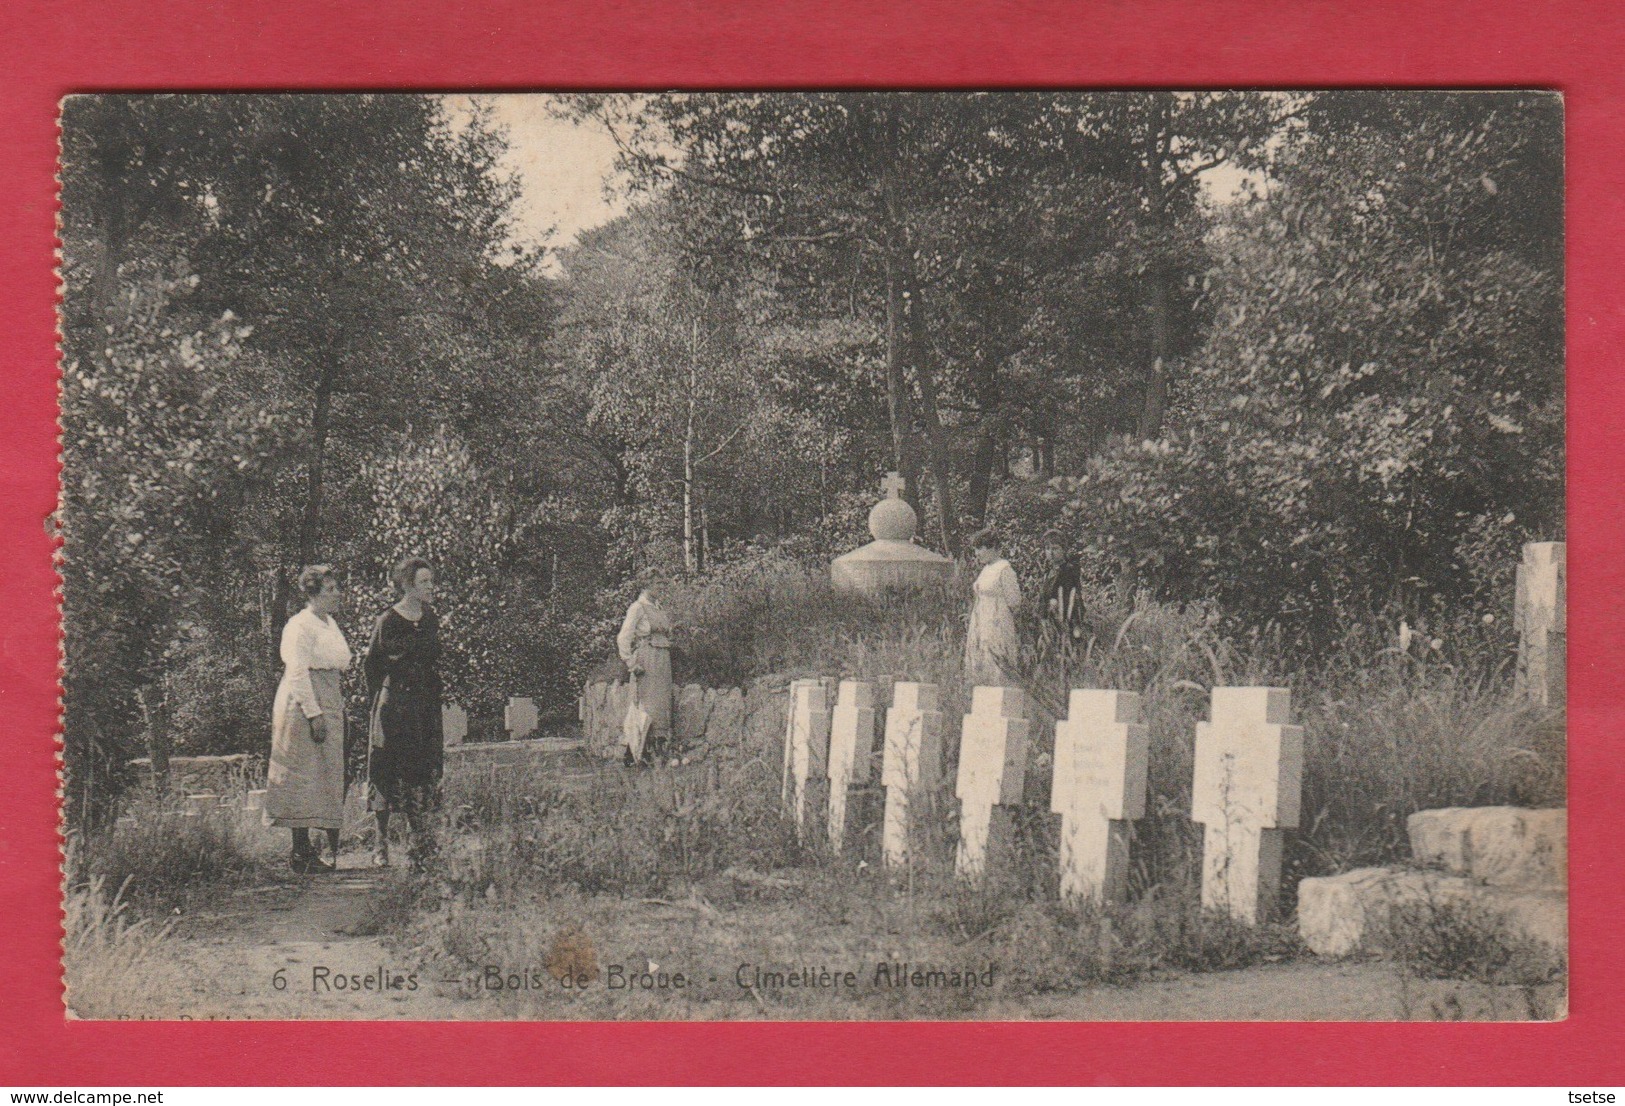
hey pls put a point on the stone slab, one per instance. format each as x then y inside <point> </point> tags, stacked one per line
<point>1504,846</point>
<point>1356,912</point>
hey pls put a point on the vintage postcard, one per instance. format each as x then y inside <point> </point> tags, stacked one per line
<point>814,556</point>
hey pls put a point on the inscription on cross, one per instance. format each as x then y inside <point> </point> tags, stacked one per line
<point>911,763</point>
<point>992,774</point>
<point>1246,793</point>
<point>1102,750</point>
<point>851,747</point>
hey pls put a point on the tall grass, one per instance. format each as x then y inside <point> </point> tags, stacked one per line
<point>159,853</point>
<point>1387,732</point>
<point>108,954</point>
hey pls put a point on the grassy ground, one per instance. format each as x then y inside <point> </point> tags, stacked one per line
<point>564,873</point>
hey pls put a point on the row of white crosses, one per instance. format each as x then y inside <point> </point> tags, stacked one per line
<point>1249,771</point>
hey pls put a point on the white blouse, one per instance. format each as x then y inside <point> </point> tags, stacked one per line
<point>998,580</point>
<point>310,641</point>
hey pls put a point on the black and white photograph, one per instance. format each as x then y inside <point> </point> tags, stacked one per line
<point>814,556</point>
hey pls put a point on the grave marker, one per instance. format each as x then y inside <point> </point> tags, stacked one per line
<point>992,774</point>
<point>851,746</point>
<point>520,718</point>
<point>1541,619</point>
<point>911,764</point>
<point>1246,792</point>
<point>1101,754</point>
<point>806,750</point>
<point>454,723</point>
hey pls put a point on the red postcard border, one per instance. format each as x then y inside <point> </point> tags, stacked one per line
<point>63,46</point>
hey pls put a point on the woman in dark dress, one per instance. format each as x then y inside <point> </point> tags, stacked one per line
<point>406,750</point>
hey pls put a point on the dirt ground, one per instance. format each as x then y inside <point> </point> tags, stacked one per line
<point>299,949</point>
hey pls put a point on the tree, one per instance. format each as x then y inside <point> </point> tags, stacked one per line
<point>661,356</point>
<point>262,294</point>
<point>1375,419</point>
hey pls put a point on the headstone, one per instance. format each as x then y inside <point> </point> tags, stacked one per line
<point>254,801</point>
<point>202,802</point>
<point>992,775</point>
<point>1541,619</point>
<point>1102,750</point>
<point>1248,784</point>
<point>806,751</point>
<point>892,561</point>
<point>1501,846</point>
<point>851,746</point>
<point>520,718</point>
<point>454,723</point>
<point>911,763</point>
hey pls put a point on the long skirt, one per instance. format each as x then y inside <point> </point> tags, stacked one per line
<point>991,643</point>
<point>403,774</point>
<point>305,780</point>
<point>648,709</point>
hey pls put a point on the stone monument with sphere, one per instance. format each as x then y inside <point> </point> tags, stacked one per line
<point>892,561</point>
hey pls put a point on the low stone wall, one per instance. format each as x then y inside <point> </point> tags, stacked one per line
<point>1502,863</point>
<point>210,774</point>
<point>719,720</point>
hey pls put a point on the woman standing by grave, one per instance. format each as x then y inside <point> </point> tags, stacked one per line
<point>991,644</point>
<point>305,778</point>
<point>645,645</point>
<point>405,751</point>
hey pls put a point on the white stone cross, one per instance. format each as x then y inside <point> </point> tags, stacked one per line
<point>1246,792</point>
<point>992,772</point>
<point>911,764</point>
<point>851,745</point>
<point>1102,750</point>
<point>893,485</point>
<point>806,750</point>
<point>1541,619</point>
<point>520,718</point>
<point>453,723</point>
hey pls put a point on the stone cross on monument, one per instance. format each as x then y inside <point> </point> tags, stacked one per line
<point>892,561</point>
<point>1246,792</point>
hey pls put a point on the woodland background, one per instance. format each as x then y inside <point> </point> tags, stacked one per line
<point>298,328</point>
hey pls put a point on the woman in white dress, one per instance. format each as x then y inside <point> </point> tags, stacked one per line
<point>991,644</point>
<point>645,645</point>
<point>305,779</point>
